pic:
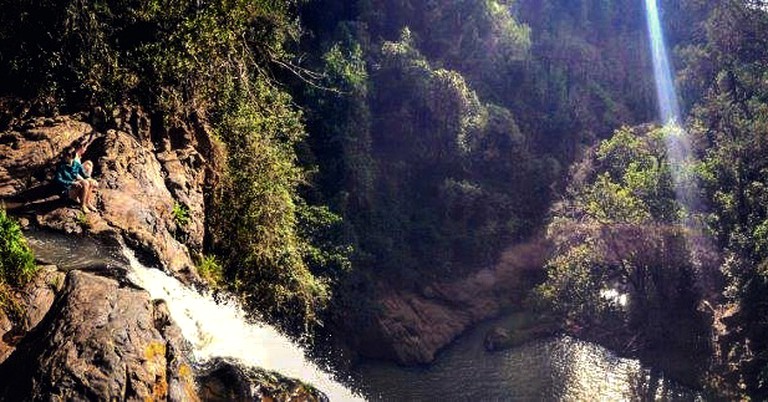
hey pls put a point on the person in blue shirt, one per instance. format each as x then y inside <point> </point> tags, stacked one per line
<point>73,180</point>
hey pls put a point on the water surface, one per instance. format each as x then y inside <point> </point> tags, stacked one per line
<point>561,368</point>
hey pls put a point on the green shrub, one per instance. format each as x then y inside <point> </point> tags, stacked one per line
<point>180,214</point>
<point>211,270</point>
<point>17,263</point>
<point>254,216</point>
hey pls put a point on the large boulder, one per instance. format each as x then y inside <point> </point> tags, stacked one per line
<point>32,303</point>
<point>224,380</point>
<point>100,341</point>
<point>410,327</point>
<point>152,182</point>
<point>28,152</point>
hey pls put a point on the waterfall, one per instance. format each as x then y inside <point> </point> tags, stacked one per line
<point>221,330</point>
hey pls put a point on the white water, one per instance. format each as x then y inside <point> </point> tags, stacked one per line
<point>221,330</point>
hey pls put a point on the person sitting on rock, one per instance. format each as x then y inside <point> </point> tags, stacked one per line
<point>87,165</point>
<point>88,169</point>
<point>73,180</point>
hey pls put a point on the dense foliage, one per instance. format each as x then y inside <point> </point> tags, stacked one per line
<point>453,119</point>
<point>713,273</point>
<point>622,270</point>
<point>17,263</point>
<point>727,65</point>
<point>413,140</point>
<point>214,64</point>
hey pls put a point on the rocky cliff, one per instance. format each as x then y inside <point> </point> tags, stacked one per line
<point>92,335</point>
<point>410,327</point>
<point>144,172</point>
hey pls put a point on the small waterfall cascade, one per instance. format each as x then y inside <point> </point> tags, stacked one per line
<point>221,330</point>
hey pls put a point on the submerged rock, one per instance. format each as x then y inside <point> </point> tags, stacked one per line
<point>100,341</point>
<point>498,338</point>
<point>226,380</point>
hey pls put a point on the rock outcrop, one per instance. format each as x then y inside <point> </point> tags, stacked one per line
<point>222,380</point>
<point>100,341</point>
<point>148,176</point>
<point>93,336</point>
<point>499,338</point>
<point>411,327</point>
<point>33,302</point>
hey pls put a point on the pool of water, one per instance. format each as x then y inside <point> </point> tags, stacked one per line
<point>559,368</point>
<point>73,251</point>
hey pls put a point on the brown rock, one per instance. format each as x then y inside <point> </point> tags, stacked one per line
<point>411,327</point>
<point>225,380</point>
<point>138,186</point>
<point>135,200</point>
<point>34,301</point>
<point>27,157</point>
<point>99,342</point>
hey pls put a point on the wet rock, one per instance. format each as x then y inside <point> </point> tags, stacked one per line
<point>226,380</point>
<point>99,341</point>
<point>499,338</point>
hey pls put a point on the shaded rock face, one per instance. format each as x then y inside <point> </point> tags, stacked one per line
<point>411,327</point>
<point>28,150</point>
<point>100,341</point>
<point>222,380</point>
<point>34,301</point>
<point>143,171</point>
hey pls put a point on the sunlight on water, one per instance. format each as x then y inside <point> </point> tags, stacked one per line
<point>221,330</point>
<point>554,369</point>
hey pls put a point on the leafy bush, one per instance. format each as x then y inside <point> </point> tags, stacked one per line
<point>211,270</point>
<point>17,263</point>
<point>180,214</point>
<point>622,267</point>
<point>255,210</point>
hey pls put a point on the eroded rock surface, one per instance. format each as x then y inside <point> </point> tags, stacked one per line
<point>33,302</point>
<point>223,380</point>
<point>100,341</point>
<point>145,173</point>
<point>411,327</point>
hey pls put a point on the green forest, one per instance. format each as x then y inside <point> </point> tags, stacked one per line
<point>369,143</point>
